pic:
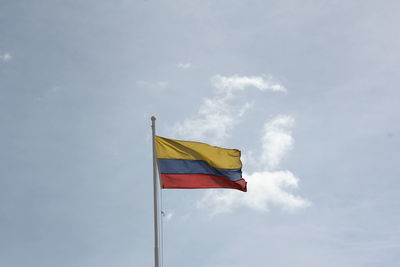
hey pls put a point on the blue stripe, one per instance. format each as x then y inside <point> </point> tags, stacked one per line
<point>184,166</point>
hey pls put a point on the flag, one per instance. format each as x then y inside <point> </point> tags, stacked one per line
<point>185,164</point>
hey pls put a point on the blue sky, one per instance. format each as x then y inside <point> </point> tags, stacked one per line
<point>308,91</point>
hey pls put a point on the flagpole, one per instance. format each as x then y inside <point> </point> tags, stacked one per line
<point>155,195</point>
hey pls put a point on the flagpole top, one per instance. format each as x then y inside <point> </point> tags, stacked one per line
<point>153,118</point>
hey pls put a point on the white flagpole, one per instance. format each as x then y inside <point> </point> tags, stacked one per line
<point>155,194</point>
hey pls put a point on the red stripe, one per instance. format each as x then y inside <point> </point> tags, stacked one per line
<point>200,181</point>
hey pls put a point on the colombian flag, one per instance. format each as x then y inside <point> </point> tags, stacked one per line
<point>185,164</point>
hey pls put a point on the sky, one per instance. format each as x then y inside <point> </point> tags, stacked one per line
<point>307,90</point>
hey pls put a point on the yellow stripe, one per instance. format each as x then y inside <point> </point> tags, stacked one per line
<point>217,157</point>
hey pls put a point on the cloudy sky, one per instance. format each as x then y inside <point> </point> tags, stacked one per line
<point>307,90</point>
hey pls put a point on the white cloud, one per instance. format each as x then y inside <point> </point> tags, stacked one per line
<point>235,82</point>
<point>265,189</point>
<point>5,57</point>
<point>277,140</point>
<point>184,66</point>
<point>215,118</point>
<point>218,115</point>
